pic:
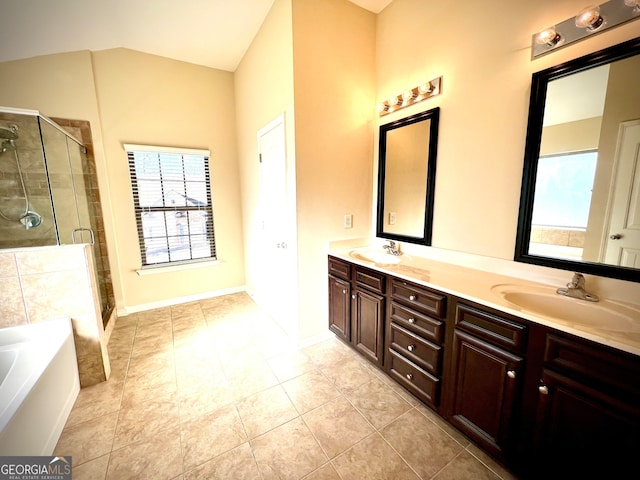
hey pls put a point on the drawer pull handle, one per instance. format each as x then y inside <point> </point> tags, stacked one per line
<point>409,376</point>
<point>543,389</point>
<point>412,297</point>
<point>511,374</point>
<point>411,348</point>
<point>412,320</point>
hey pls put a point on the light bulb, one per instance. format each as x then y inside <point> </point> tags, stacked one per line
<point>407,96</point>
<point>635,4</point>
<point>589,18</point>
<point>393,101</point>
<point>382,108</point>
<point>425,88</point>
<point>548,36</point>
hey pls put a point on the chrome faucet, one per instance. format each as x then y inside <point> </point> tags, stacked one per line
<point>576,289</point>
<point>392,248</point>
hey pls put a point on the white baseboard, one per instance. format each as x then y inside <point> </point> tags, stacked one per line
<point>123,312</point>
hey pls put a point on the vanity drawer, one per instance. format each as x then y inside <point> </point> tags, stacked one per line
<point>369,279</point>
<point>421,352</point>
<point>419,298</point>
<point>603,369</point>
<point>420,383</point>
<point>492,328</point>
<point>427,327</point>
<point>340,269</point>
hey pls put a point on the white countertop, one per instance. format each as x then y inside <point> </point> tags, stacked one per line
<point>482,287</point>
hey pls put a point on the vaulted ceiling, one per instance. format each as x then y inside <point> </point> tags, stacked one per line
<point>214,33</point>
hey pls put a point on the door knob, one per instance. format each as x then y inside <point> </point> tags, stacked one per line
<point>615,236</point>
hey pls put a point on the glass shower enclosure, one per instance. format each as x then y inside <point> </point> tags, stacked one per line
<point>48,190</point>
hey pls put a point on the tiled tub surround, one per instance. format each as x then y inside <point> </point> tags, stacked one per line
<point>213,389</point>
<point>476,283</point>
<point>41,283</point>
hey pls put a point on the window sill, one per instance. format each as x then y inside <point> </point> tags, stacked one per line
<point>176,268</point>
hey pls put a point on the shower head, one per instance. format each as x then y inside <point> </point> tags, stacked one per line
<point>9,133</point>
<point>31,219</point>
<point>8,145</point>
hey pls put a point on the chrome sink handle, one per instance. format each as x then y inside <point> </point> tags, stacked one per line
<point>576,289</point>
<point>392,248</point>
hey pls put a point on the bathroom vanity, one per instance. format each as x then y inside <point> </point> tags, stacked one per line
<point>546,397</point>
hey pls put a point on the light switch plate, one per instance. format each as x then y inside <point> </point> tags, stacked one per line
<point>348,220</point>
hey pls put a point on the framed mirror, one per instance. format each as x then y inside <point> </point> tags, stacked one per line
<point>406,177</point>
<point>580,199</point>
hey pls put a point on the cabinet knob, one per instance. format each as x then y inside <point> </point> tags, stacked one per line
<point>411,320</point>
<point>409,376</point>
<point>615,236</point>
<point>543,389</point>
<point>511,374</point>
<point>344,292</point>
<point>411,348</point>
<point>353,296</point>
<point>412,297</point>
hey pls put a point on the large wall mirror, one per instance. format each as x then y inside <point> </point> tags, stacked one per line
<point>580,201</point>
<point>406,177</point>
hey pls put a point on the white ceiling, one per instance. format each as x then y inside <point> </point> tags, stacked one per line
<point>214,33</point>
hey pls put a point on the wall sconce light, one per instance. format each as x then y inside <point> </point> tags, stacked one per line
<point>411,96</point>
<point>589,21</point>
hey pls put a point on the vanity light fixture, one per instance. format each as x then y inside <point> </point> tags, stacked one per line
<point>589,21</point>
<point>411,96</point>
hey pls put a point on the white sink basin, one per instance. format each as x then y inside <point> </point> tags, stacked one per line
<point>375,256</point>
<point>604,315</point>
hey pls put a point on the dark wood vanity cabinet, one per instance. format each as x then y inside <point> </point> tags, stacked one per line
<point>415,337</point>
<point>487,368</point>
<point>587,414</point>
<point>357,306</point>
<point>340,299</point>
<point>545,403</point>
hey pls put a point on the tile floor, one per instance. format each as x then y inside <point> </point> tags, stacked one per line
<point>214,390</point>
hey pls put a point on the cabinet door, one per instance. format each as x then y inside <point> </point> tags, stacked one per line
<point>584,432</point>
<point>368,323</point>
<point>486,386</point>
<point>340,308</point>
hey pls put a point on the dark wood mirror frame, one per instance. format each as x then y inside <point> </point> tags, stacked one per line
<point>431,151</point>
<point>539,83</point>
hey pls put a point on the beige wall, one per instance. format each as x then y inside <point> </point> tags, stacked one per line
<point>577,136</point>
<point>138,98</point>
<point>334,62</point>
<point>264,90</point>
<point>484,56</point>
<point>63,86</point>
<point>151,100</point>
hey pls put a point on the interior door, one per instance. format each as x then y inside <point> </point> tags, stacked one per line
<point>276,291</point>
<point>623,236</point>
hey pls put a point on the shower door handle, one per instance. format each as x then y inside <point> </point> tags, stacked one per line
<point>73,234</point>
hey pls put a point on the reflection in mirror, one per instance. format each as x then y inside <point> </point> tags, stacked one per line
<point>580,203</point>
<point>406,178</point>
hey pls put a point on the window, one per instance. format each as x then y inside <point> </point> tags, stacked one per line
<point>565,181</point>
<point>172,200</point>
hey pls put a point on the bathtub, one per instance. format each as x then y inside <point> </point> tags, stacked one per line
<point>39,384</point>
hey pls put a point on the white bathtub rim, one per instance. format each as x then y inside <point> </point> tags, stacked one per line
<point>21,386</point>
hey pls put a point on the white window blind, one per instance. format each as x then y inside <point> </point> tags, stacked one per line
<point>172,200</point>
